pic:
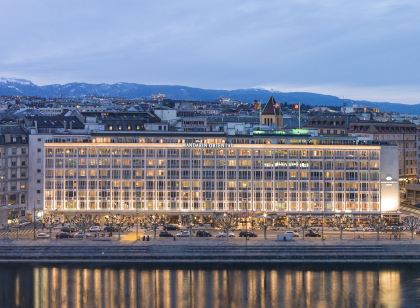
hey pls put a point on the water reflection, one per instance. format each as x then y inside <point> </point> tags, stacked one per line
<point>86,287</point>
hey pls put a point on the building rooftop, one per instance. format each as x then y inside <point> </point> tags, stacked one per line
<point>271,108</point>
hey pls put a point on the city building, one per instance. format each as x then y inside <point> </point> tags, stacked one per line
<point>331,125</point>
<point>404,135</point>
<point>175,173</point>
<point>13,172</point>
<point>412,194</point>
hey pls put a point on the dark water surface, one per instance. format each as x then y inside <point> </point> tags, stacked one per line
<point>279,287</point>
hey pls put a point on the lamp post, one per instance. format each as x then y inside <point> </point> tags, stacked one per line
<point>33,220</point>
<point>322,222</point>
<point>137,222</point>
<point>119,220</point>
<point>265,225</point>
<point>226,226</point>
<point>154,225</point>
<point>190,226</point>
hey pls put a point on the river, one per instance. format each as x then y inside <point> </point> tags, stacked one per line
<point>64,286</point>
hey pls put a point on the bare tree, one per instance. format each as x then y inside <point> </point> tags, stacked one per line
<point>83,222</point>
<point>153,220</point>
<point>411,223</point>
<point>304,223</point>
<point>377,223</point>
<point>342,222</point>
<point>226,222</point>
<point>263,225</point>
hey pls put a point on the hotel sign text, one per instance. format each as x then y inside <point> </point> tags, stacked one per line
<point>208,145</point>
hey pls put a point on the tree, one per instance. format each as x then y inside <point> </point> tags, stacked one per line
<point>377,223</point>
<point>263,225</point>
<point>83,222</point>
<point>188,221</point>
<point>411,223</point>
<point>342,222</point>
<point>304,223</point>
<point>226,222</point>
<point>120,222</point>
<point>153,220</point>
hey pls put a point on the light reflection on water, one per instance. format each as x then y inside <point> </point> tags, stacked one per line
<point>63,287</point>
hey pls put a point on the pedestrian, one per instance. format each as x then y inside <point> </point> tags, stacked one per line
<point>144,238</point>
<point>148,238</point>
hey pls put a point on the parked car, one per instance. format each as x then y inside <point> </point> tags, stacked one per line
<point>42,235</point>
<point>95,229</point>
<point>202,233</point>
<point>165,234</point>
<point>111,229</point>
<point>82,235</point>
<point>68,229</point>
<point>287,236</point>
<point>368,229</point>
<point>24,223</point>
<point>295,234</point>
<point>312,233</point>
<point>171,228</point>
<point>223,234</point>
<point>247,234</point>
<point>183,234</point>
<point>62,235</point>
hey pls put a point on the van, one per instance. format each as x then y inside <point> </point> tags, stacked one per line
<point>287,236</point>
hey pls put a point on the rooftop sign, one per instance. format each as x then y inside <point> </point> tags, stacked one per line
<point>199,145</point>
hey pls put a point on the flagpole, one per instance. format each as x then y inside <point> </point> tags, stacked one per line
<point>299,115</point>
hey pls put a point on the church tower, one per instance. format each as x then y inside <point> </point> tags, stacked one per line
<point>271,115</point>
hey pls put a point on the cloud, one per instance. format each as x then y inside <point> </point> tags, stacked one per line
<point>330,44</point>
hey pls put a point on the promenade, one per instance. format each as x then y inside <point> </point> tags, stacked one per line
<point>202,252</point>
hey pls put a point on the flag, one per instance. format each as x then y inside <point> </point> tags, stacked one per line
<point>296,106</point>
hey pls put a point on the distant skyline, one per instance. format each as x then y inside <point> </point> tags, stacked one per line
<point>353,49</point>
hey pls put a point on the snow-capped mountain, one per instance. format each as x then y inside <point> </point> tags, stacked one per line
<point>15,87</point>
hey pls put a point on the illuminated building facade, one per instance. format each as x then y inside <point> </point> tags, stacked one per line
<point>205,173</point>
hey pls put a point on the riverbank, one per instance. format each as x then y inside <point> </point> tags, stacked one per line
<point>212,253</point>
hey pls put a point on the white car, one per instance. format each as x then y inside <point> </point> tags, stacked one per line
<point>223,234</point>
<point>183,234</point>
<point>368,229</point>
<point>42,235</point>
<point>295,234</point>
<point>95,229</point>
<point>287,236</point>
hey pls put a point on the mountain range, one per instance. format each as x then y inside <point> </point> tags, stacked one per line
<point>22,87</point>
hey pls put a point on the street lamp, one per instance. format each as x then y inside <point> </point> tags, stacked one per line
<point>265,225</point>
<point>137,222</point>
<point>154,225</point>
<point>322,223</point>
<point>33,220</point>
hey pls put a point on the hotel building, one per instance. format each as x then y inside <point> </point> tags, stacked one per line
<point>283,172</point>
